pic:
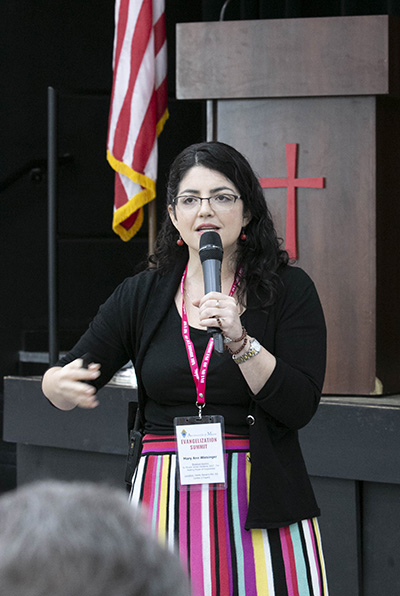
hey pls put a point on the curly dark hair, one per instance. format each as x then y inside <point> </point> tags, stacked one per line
<point>260,255</point>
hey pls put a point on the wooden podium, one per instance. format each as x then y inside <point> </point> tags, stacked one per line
<point>317,99</point>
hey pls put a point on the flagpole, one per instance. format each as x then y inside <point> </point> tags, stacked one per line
<point>152,226</point>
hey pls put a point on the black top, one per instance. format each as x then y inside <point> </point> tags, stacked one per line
<point>169,384</point>
<point>293,330</point>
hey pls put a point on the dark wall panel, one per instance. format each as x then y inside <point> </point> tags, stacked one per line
<point>381,523</point>
<point>61,464</point>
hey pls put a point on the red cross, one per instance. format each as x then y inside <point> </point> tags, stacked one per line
<point>291,183</point>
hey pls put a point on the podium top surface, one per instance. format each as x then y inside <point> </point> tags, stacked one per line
<point>326,56</point>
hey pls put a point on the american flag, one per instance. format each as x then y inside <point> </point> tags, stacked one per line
<point>138,108</point>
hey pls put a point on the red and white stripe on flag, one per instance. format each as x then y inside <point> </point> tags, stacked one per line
<point>138,108</point>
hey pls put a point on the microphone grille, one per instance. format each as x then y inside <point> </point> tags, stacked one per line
<point>210,246</point>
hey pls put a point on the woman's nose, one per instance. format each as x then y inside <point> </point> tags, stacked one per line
<point>205,207</point>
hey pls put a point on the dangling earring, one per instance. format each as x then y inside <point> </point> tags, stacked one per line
<point>180,241</point>
<point>243,235</point>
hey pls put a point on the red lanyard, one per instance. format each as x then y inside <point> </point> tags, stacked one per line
<point>199,377</point>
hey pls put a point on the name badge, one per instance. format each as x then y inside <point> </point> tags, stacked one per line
<point>200,451</point>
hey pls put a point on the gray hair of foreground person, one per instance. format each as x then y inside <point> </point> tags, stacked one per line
<point>81,539</point>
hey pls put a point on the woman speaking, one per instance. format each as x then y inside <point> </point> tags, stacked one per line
<point>221,475</point>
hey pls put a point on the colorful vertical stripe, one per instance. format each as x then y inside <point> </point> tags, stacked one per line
<point>138,109</point>
<point>206,527</point>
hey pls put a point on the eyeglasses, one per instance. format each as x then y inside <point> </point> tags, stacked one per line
<point>222,202</point>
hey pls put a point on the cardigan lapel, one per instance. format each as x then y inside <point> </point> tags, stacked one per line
<point>159,300</point>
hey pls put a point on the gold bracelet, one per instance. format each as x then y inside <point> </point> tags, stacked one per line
<point>255,349</point>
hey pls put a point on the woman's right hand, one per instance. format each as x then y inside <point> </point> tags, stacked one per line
<point>66,388</point>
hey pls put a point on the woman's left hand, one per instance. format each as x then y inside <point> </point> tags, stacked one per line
<point>219,310</point>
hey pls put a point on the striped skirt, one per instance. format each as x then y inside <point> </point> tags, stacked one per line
<point>206,527</point>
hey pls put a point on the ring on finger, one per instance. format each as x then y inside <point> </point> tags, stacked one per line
<point>217,304</point>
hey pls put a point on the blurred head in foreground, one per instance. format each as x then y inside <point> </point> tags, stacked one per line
<point>81,539</point>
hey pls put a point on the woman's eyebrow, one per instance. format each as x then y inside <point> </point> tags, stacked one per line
<point>212,191</point>
<point>191,191</point>
<point>221,188</point>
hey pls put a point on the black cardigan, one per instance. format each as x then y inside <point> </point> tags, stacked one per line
<point>293,330</point>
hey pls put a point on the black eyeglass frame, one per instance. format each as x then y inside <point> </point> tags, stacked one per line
<point>221,194</point>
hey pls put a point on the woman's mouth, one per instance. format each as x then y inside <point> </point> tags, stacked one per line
<point>209,228</point>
